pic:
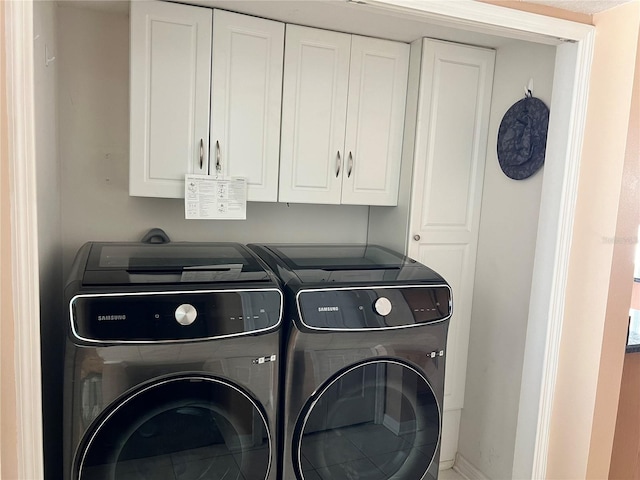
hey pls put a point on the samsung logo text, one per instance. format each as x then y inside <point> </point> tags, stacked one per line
<point>111,318</point>
<point>328,309</point>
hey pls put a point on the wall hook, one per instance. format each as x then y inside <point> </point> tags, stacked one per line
<point>528,90</point>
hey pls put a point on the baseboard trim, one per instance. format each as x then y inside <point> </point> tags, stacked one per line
<point>399,428</point>
<point>446,465</point>
<point>466,470</point>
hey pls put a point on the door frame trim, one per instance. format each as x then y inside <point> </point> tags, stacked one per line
<point>24,238</point>
<point>551,261</point>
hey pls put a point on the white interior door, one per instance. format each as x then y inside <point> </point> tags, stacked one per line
<point>314,106</point>
<point>375,121</point>
<point>170,86</point>
<point>450,151</point>
<point>246,99</point>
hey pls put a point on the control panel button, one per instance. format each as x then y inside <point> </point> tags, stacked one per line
<point>186,314</point>
<point>382,306</point>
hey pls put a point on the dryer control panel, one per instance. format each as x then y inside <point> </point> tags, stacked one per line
<point>367,308</point>
<point>151,317</point>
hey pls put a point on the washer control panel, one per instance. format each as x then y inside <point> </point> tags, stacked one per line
<point>373,307</point>
<point>173,316</point>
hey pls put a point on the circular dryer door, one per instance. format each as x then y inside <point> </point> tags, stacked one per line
<point>187,427</point>
<point>373,421</point>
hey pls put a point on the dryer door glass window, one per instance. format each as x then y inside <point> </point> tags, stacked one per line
<point>380,419</point>
<point>181,428</point>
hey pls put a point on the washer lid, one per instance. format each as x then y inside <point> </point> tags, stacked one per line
<point>347,264</point>
<point>173,263</point>
<point>340,257</point>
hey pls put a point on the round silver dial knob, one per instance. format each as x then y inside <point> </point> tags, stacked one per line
<point>382,306</point>
<point>186,314</point>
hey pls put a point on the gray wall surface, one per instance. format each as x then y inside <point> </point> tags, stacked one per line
<point>504,266</point>
<point>49,229</point>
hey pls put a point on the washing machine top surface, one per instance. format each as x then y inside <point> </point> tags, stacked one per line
<point>171,263</point>
<point>344,264</point>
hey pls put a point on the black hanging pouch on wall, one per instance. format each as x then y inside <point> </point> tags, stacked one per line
<point>522,138</point>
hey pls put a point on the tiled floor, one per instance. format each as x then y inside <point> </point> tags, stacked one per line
<point>364,451</point>
<point>368,451</point>
<point>215,462</point>
<point>200,465</point>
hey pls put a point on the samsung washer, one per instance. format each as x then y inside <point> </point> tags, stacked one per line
<point>171,363</point>
<point>365,347</point>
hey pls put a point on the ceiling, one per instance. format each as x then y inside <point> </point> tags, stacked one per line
<point>350,16</point>
<point>588,7</point>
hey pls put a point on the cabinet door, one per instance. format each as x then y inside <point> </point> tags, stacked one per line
<point>314,105</point>
<point>170,82</point>
<point>450,152</point>
<point>375,121</point>
<point>246,101</point>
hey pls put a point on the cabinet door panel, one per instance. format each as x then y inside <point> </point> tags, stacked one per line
<point>170,77</point>
<point>316,75</point>
<point>450,153</point>
<point>246,93</point>
<point>375,121</point>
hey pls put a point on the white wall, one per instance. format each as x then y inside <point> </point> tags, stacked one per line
<point>506,248</point>
<point>49,228</point>
<point>94,149</point>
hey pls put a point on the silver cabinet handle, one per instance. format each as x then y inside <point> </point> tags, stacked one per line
<point>201,153</point>
<point>218,155</point>
<point>350,165</point>
<point>338,164</point>
<point>416,237</point>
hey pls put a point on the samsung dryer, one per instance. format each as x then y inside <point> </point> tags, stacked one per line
<point>171,363</point>
<point>365,350</point>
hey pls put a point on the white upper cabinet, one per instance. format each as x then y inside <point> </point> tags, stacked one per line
<point>375,121</point>
<point>314,109</point>
<point>247,94</point>
<point>170,84</point>
<point>208,96</point>
<point>342,118</point>
<point>176,129</point>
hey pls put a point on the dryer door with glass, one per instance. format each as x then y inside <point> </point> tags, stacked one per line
<point>188,426</point>
<point>379,418</point>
